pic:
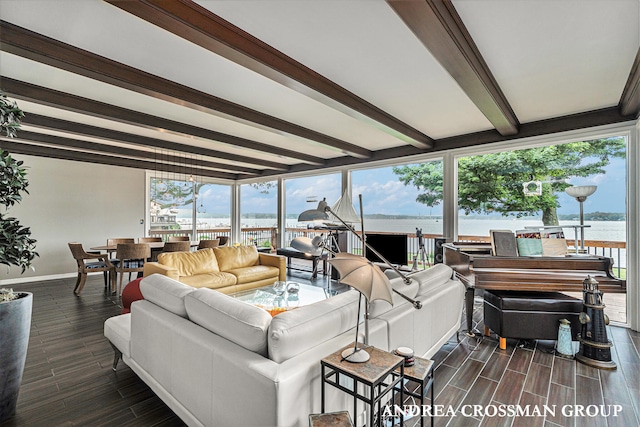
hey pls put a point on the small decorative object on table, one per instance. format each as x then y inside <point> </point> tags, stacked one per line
<point>407,353</point>
<point>293,287</point>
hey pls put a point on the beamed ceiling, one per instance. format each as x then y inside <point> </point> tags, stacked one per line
<point>249,89</point>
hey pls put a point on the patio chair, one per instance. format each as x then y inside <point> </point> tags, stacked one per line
<point>223,240</point>
<point>85,267</point>
<point>132,257</point>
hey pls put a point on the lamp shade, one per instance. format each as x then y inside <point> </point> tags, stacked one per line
<point>344,210</point>
<point>579,191</point>
<point>362,275</point>
<point>307,245</point>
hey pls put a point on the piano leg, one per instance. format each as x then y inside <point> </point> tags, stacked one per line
<point>468,297</point>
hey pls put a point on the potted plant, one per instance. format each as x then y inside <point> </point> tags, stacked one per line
<point>16,248</point>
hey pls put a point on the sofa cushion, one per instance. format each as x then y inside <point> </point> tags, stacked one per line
<point>210,280</point>
<point>190,263</point>
<point>239,322</point>
<point>431,277</point>
<point>231,257</point>
<point>117,329</point>
<point>166,293</point>
<point>296,331</point>
<point>254,273</point>
<point>378,307</point>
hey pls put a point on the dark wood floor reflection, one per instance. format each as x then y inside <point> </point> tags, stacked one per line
<point>68,379</point>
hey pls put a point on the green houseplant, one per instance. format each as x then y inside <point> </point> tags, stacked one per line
<point>16,248</point>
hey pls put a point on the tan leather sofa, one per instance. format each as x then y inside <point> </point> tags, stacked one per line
<point>226,269</point>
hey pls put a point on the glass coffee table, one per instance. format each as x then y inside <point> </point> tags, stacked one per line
<point>267,298</point>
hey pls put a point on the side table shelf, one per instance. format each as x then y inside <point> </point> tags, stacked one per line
<point>422,374</point>
<point>381,374</point>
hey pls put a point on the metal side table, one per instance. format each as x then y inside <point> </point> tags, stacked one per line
<point>380,375</point>
<point>421,373</point>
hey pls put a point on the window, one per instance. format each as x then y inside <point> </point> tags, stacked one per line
<point>259,213</point>
<point>513,190</point>
<point>404,199</point>
<point>305,193</point>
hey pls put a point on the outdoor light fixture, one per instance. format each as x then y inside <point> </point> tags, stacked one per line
<point>580,193</point>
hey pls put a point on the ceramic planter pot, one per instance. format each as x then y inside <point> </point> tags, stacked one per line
<point>15,325</point>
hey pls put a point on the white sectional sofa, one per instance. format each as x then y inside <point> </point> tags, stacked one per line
<point>216,361</point>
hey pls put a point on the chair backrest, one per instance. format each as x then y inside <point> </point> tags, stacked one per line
<point>177,247</point>
<point>77,251</point>
<point>179,238</point>
<point>111,242</point>
<point>149,239</point>
<point>223,240</point>
<point>126,251</point>
<point>213,243</point>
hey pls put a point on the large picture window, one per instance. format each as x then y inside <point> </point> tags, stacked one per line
<point>526,189</point>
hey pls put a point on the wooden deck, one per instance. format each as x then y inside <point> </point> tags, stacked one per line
<point>68,379</point>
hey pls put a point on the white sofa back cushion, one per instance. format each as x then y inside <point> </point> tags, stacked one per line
<point>237,321</point>
<point>166,293</point>
<point>378,307</point>
<point>296,331</point>
<point>431,277</point>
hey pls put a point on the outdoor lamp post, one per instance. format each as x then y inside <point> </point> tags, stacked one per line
<point>580,193</point>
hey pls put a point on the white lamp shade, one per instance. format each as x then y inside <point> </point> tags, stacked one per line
<point>362,275</point>
<point>581,190</point>
<point>307,245</point>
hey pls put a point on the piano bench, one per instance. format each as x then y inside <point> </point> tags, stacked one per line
<point>529,315</point>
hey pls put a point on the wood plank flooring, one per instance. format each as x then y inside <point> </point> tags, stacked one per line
<point>68,379</point>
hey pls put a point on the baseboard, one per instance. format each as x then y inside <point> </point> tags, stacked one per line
<point>19,280</point>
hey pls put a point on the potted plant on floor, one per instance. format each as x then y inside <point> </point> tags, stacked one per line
<point>17,248</point>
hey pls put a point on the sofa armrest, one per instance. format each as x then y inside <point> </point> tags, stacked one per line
<point>274,260</point>
<point>155,267</point>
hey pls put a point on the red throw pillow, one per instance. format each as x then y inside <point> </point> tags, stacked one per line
<point>131,293</point>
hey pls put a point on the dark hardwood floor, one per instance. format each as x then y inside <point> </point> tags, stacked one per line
<point>68,379</point>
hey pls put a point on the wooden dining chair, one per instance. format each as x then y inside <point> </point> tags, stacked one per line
<point>223,240</point>
<point>84,267</point>
<point>149,239</point>
<point>132,257</point>
<point>177,247</point>
<point>114,242</point>
<point>179,239</point>
<point>208,243</point>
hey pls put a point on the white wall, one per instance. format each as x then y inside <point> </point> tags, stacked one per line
<point>72,201</point>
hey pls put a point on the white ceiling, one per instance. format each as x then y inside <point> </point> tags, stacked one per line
<point>550,59</point>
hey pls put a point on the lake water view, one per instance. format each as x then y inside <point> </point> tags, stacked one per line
<point>599,230</point>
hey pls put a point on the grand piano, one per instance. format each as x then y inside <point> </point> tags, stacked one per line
<point>476,268</point>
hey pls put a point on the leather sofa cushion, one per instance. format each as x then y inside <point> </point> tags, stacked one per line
<point>255,273</point>
<point>239,322</point>
<point>378,307</point>
<point>190,263</point>
<point>210,280</point>
<point>117,329</point>
<point>166,293</point>
<point>432,277</point>
<point>232,257</point>
<point>296,331</point>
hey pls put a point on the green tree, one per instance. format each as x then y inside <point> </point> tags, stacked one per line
<point>494,182</point>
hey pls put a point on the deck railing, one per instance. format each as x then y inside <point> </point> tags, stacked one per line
<point>267,236</point>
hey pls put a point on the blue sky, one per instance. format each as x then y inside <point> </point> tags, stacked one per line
<point>384,194</point>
